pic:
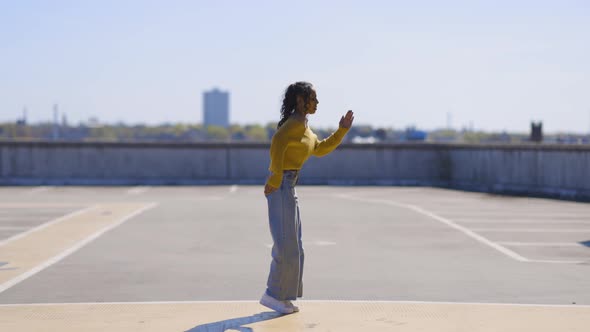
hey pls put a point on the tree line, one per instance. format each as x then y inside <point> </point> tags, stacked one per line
<point>165,132</point>
<point>182,132</point>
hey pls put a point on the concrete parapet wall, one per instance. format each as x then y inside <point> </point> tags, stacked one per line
<point>550,171</point>
<point>547,170</point>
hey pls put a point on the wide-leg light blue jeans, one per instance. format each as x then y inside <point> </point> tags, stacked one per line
<point>286,269</point>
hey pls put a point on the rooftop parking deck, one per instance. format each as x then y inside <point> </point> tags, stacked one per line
<point>196,258</point>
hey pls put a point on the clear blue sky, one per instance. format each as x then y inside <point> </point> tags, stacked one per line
<point>494,64</point>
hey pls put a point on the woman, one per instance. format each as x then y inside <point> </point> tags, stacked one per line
<point>291,146</point>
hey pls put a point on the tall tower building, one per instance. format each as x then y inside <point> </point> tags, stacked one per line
<point>216,108</point>
<point>55,123</point>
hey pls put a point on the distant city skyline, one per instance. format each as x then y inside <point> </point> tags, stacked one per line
<point>216,108</point>
<point>490,65</point>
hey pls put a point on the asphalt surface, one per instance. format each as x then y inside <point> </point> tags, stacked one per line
<point>361,243</point>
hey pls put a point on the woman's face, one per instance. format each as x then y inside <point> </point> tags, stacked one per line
<point>312,104</point>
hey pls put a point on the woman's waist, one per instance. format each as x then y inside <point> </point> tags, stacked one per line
<point>290,176</point>
<point>294,162</point>
<point>290,173</point>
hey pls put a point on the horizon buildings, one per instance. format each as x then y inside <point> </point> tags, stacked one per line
<point>216,108</point>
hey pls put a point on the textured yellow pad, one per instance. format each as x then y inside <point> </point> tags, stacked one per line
<point>342,316</point>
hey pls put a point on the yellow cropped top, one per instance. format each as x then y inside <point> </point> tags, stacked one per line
<point>292,145</point>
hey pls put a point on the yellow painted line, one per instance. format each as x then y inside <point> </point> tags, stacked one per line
<point>44,225</point>
<point>318,316</point>
<point>37,250</point>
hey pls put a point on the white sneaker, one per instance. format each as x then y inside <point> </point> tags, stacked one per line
<point>290,304</point>
<point>276,305</point>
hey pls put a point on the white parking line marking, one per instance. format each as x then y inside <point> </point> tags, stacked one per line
<point>556,262</point>
<point>74,248</point>
<point>513,214</point>
<point>531,230</point>
<point>448,222</point>
<point>303,301</point>
<point>138,190</point>
<point>47,224</point>
<point>521,221</point>
<point>206,198</point>
<point>40,189</point>
<point>542,244</point>
<point>324,243</point>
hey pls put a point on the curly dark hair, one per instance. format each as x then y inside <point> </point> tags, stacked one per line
<point>303,89</point>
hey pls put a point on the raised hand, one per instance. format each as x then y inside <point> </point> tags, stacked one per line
<point>346,121</point>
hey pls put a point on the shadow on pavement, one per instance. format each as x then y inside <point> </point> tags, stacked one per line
<point>235,324</point>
